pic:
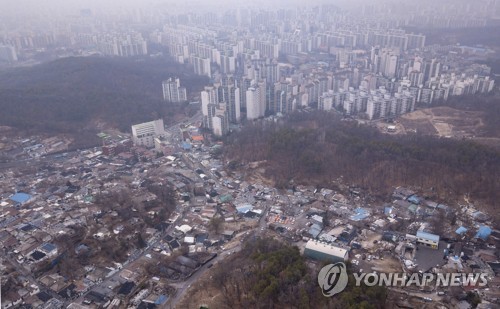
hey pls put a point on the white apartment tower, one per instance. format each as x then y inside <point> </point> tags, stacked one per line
<point>216,115</point>
<point>202,66</point>
<point>381,104</point>
<point>256,101</point>
<point>253,103</point>
<point>220,121</point>
<point>173,92</point>
<point>231,96</point>
<point>209,97</point>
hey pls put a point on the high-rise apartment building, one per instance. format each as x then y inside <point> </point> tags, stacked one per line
<point>382,104</point>
<point>220,120</point>
<point>256,101</point>
<point>230,94</point>
<point>173,92</point>
<point>209,98</point>
<point>202,66</point>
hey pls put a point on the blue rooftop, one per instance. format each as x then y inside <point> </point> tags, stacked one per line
<point>161,300</point>
<point>428,236</point>
<point>20,197</point>
<point>461,230</point>
<point>186,146</point>
<point>48,247</point>
<point>361,214</point>
<point>414,199</point>
<point>484,232</point>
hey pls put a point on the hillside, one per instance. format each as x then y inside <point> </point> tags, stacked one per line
<point>485,36</point>
<point>72,94</point>
<point>318,149</point>
<point>271,274</point>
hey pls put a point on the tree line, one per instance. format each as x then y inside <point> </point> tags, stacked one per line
<point>270,274</point>
<point>318,149</point>
<point>72,95</point>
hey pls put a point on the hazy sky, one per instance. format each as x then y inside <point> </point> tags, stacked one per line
<point>19,15</point>
<point>68,6</point>
<point>13,9</point>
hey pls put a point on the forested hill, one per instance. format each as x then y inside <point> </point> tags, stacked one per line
<point>68,95</point>
<point>317,149</point>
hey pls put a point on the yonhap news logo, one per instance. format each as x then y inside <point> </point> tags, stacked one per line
<point>421,279</point>
<point>333,279</point>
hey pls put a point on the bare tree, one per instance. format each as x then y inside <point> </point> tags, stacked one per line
<point>216,224</point>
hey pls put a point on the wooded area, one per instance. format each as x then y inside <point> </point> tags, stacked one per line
<point>271,274</point>
<point>319,149</point>
<point>484,36</point>
<point>72,95</point>
<point>489,105</point>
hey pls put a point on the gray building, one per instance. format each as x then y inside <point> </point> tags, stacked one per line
<point>173,92</point>
<point>325,252</point>
<point>428,239</point>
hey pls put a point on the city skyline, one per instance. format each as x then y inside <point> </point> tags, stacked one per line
<point>217,154</point>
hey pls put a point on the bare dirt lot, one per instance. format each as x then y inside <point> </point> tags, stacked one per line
<point>256,173</point>
<point>388,264</point>
<point>368,242</point>
<point>443,121</point>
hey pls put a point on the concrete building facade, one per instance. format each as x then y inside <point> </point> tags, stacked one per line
<point>144,134</point>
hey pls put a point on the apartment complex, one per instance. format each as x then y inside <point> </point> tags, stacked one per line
<point>173,92</point>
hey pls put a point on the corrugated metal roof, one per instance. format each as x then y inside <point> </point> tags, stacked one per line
<point>244,208</point>
<point>48,247</point>
<point>428,236</point>
<point>315,230</point>
<point>327,249</point>
<point>360,214</point>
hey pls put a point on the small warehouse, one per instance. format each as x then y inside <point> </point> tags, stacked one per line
<point>428,239</point>
<point>325,252</point>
